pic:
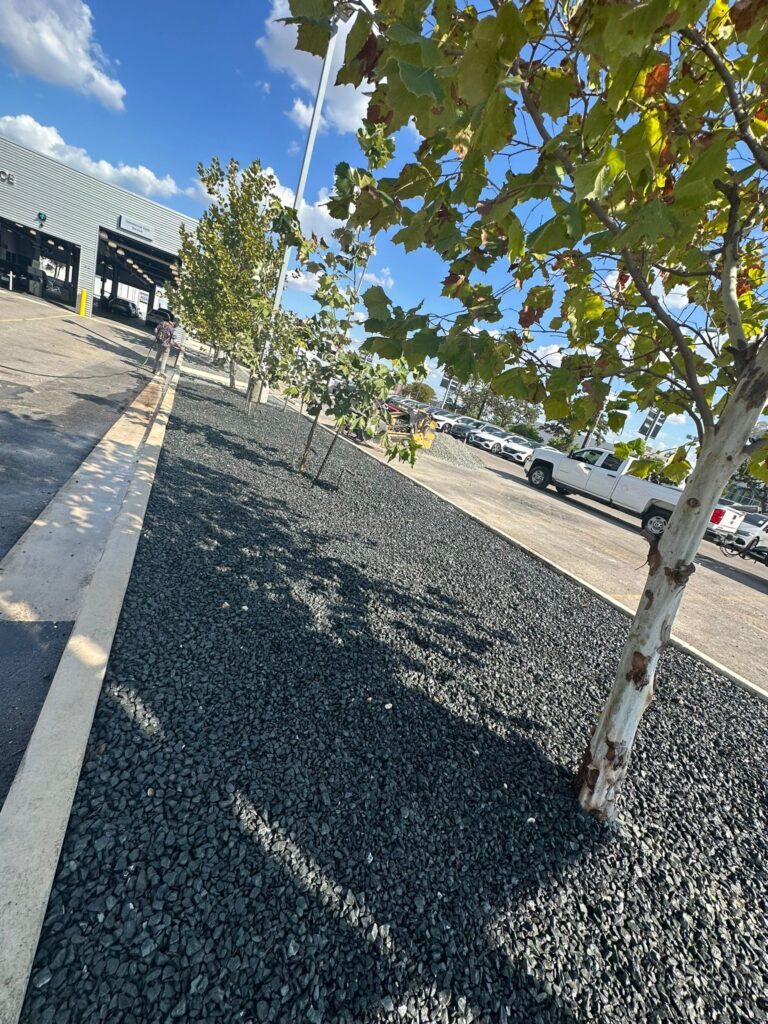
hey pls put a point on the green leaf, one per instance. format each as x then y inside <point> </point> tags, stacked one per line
<point>556,86</point>
<point>513,229</point>
<point>556,408</point>
<point>592,180</point>
<point>517,382</point>
<point>695,184</point>
<point>479,67</point>
<point>550,236</point>
<point>513,33</point>
<point>420,81</point>
<point>678,467</point>
<point>387,348</point>
<point>421,346</point>
<point>496,125</point>
<point>357,38</point>
<point>376,302</point>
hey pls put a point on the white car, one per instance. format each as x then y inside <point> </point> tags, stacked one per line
<point>518,448</point>
<point>754,525</point>
<point>443,418</point>
<point>489,437</point>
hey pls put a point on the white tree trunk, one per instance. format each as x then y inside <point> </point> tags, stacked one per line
<point>232,373</point>
<point>670,566</point>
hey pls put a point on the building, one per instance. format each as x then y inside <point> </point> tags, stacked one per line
<point>62,231</point>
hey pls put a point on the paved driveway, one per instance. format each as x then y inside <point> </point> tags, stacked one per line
<point>64,380</point>
<point>724,612</point>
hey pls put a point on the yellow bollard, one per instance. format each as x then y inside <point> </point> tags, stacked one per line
<point>83,301</point>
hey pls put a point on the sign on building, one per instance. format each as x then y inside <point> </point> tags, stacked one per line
<point>135,228</point>
<point>7,177</point>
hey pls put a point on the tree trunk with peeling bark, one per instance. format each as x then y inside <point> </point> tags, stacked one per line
<point>308,445</point>
<point>671,564</point>
<point>249,392</point>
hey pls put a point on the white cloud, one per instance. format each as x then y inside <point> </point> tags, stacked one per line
<point>552,354</point>
<point>345,106</point>
<point>301,281</point>
<point>301,114</point>
<point>383,278</point>
<point>676,298</point>
<point>677,417</point>
<point>25,130</point>
<point>53,40</point>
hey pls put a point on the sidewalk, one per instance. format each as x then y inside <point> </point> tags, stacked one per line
<point>74,561</point>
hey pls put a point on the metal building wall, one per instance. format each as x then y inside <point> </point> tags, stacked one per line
<point>76,205</point>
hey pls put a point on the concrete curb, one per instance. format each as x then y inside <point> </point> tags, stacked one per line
<point>34,818</point>
<point>734,677</point>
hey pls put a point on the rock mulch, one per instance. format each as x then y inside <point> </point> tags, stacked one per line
<point>329,778</point>
<point>449,449</point>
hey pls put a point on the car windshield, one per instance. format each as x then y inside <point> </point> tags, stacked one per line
<point>755,519</point>
<point>524,441</point>
<point>496,432</point>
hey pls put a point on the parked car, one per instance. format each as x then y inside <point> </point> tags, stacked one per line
<point>518,448</point>
<point>489,437</point>
<point>158,316</point>
<point>443,418</point>
<point>123,307</point>
<point>755,524</point>
<point>598,473</point>
<point>463,426</point>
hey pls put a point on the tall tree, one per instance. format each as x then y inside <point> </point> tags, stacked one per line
<point>608,160</point>
<point>228,265</point>
<point>477,398</point>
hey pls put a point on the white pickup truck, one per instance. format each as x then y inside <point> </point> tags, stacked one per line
<point>597,473</point>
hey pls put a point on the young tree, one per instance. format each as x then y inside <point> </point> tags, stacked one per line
<point>229,264</point>
<point>610,161</point>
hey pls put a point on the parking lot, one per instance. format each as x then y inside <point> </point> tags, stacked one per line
<point>725,610</point>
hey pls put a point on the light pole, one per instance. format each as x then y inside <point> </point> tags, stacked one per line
<point>342,12</point>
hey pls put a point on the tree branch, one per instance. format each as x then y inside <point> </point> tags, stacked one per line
<point>633,267</point>
<point>729,281</point>
<point>737,105</point>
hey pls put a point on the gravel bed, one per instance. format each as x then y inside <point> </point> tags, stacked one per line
<point>329,778</point>
<point>449,449</point>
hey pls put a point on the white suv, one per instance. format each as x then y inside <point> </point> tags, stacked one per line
<point>518,448</point>
<point>489,437</point>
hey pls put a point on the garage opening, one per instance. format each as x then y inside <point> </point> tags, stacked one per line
<point>33,261</point>
<point>130,279</point>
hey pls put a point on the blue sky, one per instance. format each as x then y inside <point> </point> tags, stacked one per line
<point>139,93</point>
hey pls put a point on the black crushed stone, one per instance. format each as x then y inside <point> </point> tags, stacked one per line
<point>329,775</point>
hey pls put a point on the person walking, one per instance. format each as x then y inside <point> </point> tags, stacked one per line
<point>164,339</point>
<point>177,341</point>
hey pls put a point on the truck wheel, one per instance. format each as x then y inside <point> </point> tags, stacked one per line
<point>655,521</point>
<point>540,477</point>
<point>562,490</point>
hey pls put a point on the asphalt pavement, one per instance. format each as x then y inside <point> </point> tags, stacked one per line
<point>64,380</point>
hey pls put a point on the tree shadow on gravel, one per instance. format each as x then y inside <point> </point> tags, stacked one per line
<point>285,814</point>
